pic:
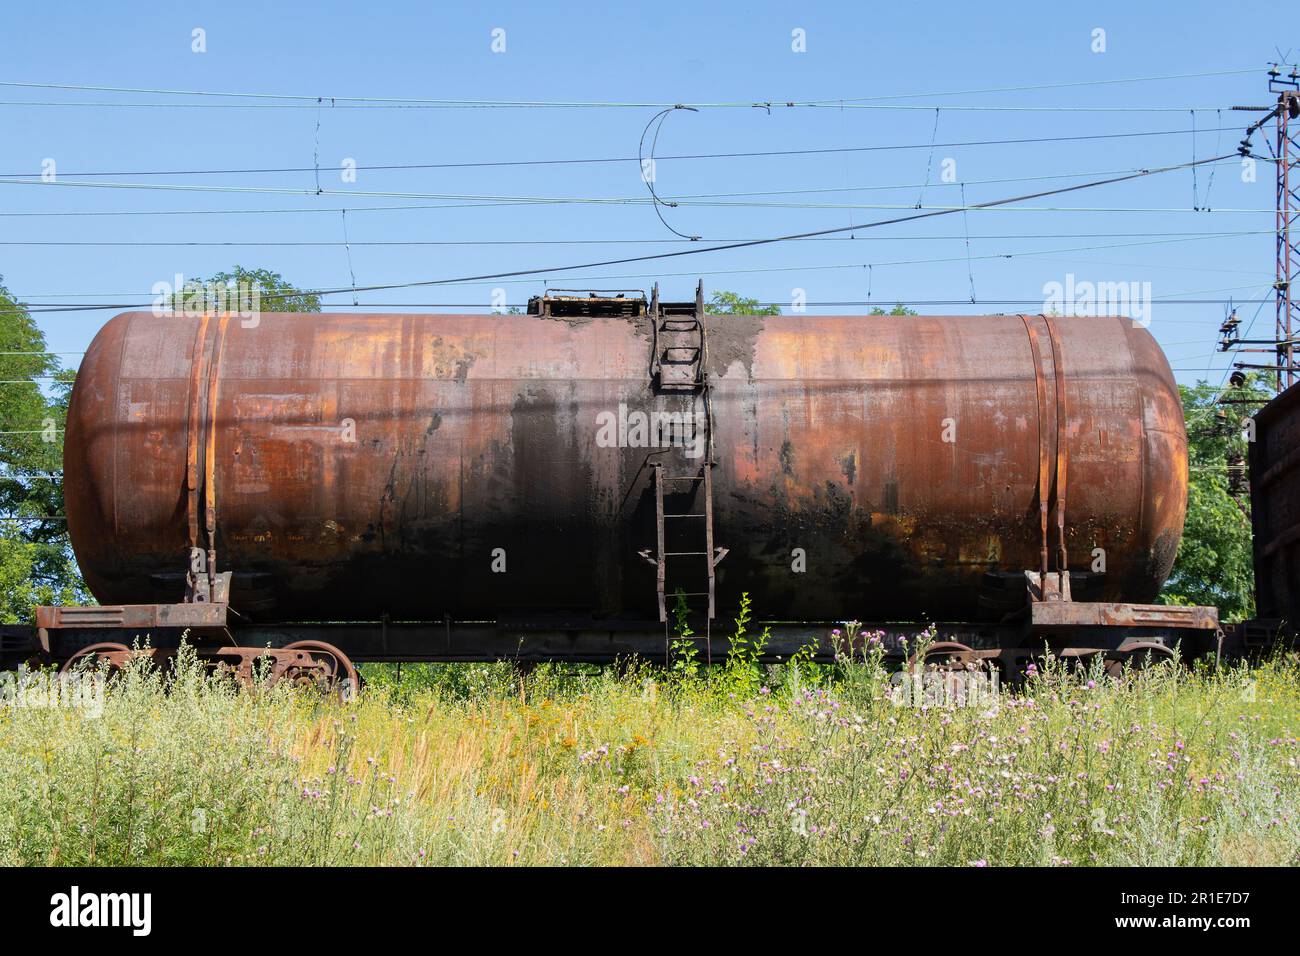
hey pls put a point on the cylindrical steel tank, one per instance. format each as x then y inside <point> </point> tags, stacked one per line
<point>869,467</point>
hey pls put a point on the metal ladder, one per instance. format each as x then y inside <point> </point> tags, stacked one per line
<point>677,353</point>
<point>711,554</point>
<point>677,364</point>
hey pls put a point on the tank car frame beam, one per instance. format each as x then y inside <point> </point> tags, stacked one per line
<point>1068,629</point>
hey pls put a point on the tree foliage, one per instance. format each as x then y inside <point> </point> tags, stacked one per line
<point>731,303</point>
<point>36,565</point>
<point>1215,564</point>
<point>272,293</point>
<point>36,562</point>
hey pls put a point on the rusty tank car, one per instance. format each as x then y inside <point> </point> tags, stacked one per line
<point>553,485</point>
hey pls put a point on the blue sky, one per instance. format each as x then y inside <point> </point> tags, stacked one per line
<point>645,54</point>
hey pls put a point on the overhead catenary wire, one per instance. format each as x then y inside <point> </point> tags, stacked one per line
<point>693,250</point>
<point>742,154</point>
<point>560,201</point>
<point>963,208</point>
<point>332,243</point>
<point>749,243</point>
<point>97,104</point>
<point>310,100</point>
<point>316,209</point>
<point>494,201</point>
<point>649,175</point>
<point>841,303</point>
<point>166,243</point>
<point>820,190</point>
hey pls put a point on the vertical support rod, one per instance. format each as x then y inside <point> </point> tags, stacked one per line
<point>1062,457</point>
<point>657,474</point>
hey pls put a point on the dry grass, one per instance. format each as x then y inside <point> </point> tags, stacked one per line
<point>479,765</point>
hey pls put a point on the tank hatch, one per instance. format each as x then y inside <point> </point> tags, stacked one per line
<point>589,303</point>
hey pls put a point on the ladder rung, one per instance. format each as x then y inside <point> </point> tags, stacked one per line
<point>685,554</point>
<point>682,478</point>
<point>685,516</point>
<point>691,593</point>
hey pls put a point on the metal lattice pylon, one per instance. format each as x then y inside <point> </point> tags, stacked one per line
<point>1286,156</point>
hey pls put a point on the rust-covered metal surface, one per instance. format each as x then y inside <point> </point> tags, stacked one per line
<point>366,465</point>
<point>1275,509</point>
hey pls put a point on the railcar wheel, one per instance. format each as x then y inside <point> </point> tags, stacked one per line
<point>318,664</point>
<point>114,654</point>
<point>944,655</point>
<point>1139,654</point>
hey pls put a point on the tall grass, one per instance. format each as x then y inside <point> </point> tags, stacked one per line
<point>486,764</point>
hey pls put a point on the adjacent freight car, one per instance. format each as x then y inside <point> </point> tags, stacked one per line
<point>554,485</point>
<point>1275,520</point>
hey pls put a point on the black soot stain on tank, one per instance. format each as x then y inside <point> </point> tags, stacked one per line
<point>730,339</point>
<point>786,457</point>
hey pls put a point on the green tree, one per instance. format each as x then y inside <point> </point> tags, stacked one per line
<point>248,288</point>
<point>898,309</point>
<point>36,565</point>
<point>1215,564</point>
<point>730,303</point>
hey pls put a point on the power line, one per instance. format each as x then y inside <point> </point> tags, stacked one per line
<point>88,307</point>
<point>422,166</point>
<point>331,243</point>
<point>105,104</point>
<point>395,208</point>
<point>694,249</point>
<point>679,156</point>
<point>698,250</point>
<point>318,100</point>
<point>494,201</point>
<point>909,300</point>
<point>889,206</point>
<point>408,207</point>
